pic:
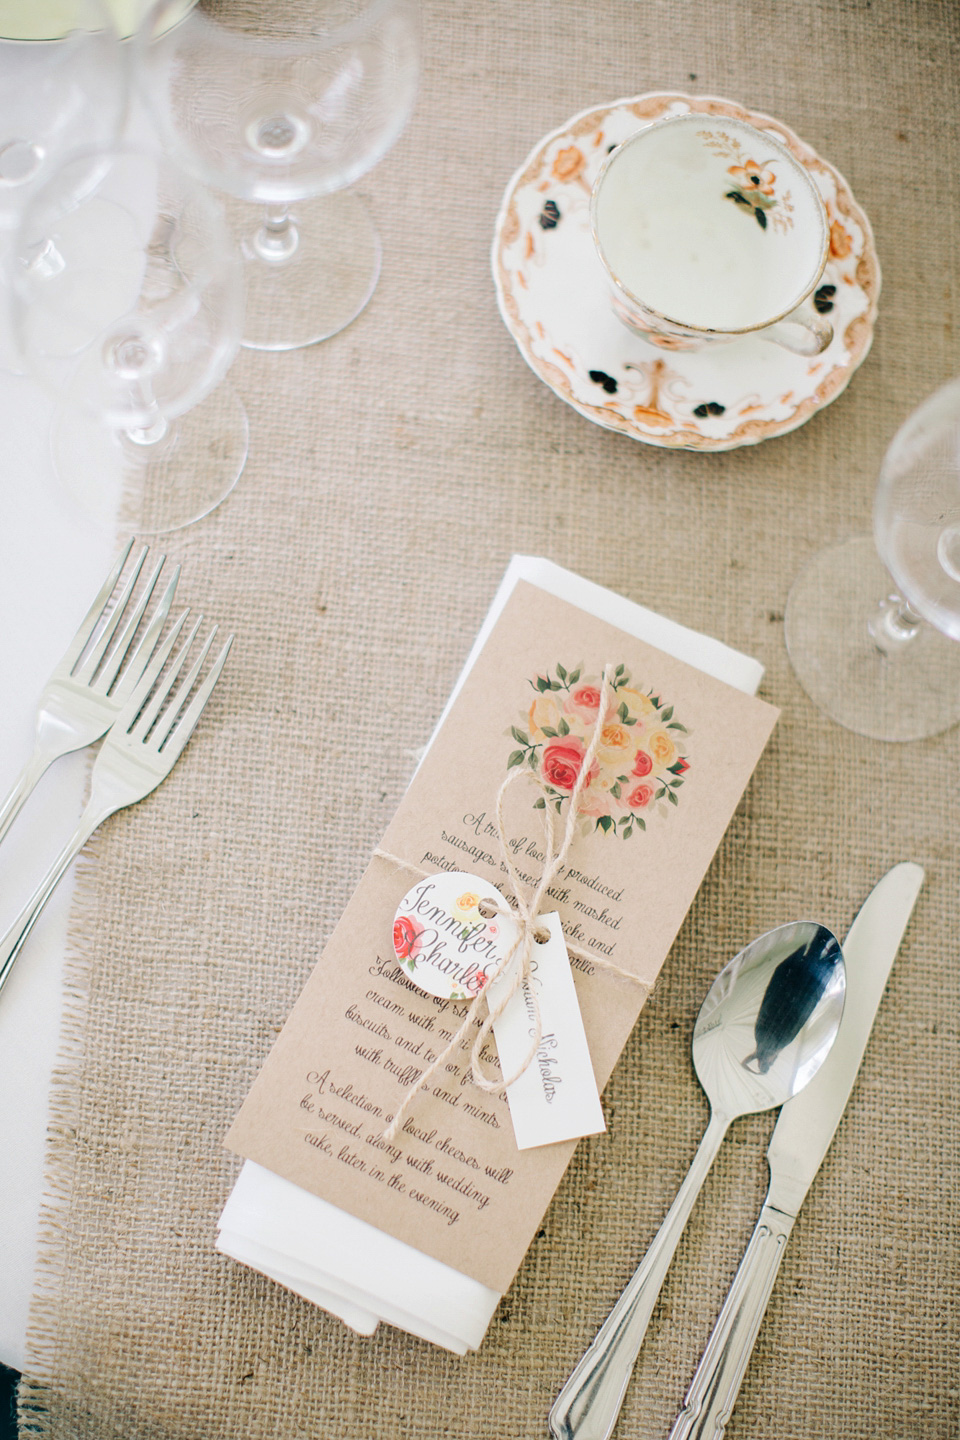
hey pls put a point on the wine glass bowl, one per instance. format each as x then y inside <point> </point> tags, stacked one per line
<point>129,305</point>
<point>917,510</point>
<point>872,625</point>
<point>283,102</point>
<point>286,106</point>
<point>56,95</point>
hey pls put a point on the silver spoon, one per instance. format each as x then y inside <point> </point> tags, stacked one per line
<point>763,1032</point>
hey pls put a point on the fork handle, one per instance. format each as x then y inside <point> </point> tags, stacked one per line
<point>13,942</point>
<point>39,762</point>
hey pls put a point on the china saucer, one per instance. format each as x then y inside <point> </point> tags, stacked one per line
<point>554,299</point>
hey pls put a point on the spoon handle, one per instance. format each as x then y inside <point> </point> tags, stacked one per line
<point>589,1403</point>
<point>714,1388</point>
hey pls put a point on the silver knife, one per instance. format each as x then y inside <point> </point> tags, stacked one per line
<point>800,1140</point>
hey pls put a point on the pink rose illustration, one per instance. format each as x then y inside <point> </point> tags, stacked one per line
<point>643,764</point>
<point>406,937</point>
<point>584,702</point>
<point>640,796</point>
<point>561,763</point>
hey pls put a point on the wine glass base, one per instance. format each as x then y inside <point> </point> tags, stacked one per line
<point>324,284</point>
<point>906,695</point>
<point>152,488</point>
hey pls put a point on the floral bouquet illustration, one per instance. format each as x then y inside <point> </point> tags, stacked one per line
<point>641,761</point>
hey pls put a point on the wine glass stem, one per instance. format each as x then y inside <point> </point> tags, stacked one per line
<point>894,626</point>
<point>277,238</point>
<point>156,426</point>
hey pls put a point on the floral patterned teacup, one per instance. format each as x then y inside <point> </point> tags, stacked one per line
<point>709,230</point>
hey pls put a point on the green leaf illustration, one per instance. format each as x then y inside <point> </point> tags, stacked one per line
<point>561,672</point>
<point>549,731</point>
<point>667,714</point>
<point>515,759</point>
<point>574,676</point>
<point>563,728</point>
<point>672,798</point>
<point>540,804</point>
<point>623,712</point>
<point>519,735</point>
<point>615,791</point>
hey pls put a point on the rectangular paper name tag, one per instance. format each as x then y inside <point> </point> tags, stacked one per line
<point>556,1097</point>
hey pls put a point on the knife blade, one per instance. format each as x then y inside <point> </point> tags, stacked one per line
<point>800,1140</point>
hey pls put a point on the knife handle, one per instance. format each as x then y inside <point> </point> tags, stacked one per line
<point>714,1388</point>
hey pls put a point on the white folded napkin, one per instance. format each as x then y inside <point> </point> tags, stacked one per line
<point>346,1265</point>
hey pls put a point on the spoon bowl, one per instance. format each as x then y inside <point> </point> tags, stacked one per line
<point>764,1029</point>
<point>769,1019</point>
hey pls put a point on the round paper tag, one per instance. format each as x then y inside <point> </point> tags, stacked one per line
<point>448,936</point>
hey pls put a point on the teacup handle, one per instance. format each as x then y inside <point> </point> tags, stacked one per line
<point>803,331</point>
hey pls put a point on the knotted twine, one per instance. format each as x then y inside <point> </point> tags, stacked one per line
<point>524,913</point>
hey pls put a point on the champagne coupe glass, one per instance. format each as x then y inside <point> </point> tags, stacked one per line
<point>873,636</point>
<point>63,84</point>
<point>129,304</point>
<point>287,104</point>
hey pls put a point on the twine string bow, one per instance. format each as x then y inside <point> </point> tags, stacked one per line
<point>525,913</point>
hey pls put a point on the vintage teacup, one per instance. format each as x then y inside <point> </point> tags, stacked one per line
<point>710,230</point>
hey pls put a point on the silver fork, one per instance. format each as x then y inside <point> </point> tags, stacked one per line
<point>86,692</point>
<point>140,750</point>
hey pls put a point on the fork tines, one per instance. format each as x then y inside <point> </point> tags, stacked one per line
<point>87,660</point>
<point>162,714</point>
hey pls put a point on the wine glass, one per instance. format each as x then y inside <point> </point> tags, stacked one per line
<point>288,104</point>
<point>63,84</point>
<point>872,625</point>
<point>129,304</point>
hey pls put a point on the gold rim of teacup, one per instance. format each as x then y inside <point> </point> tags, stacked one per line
<point>699,116</point>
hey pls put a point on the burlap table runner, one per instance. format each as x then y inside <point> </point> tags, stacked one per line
<point>392,472</point>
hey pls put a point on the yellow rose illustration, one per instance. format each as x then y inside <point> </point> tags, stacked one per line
<point>638,704</point>
<point>545,711</point>
<point>662,748</point>
<point>468,901</point>
<point>617,745</point>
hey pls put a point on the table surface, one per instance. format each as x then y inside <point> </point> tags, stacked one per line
<point>393,470</point>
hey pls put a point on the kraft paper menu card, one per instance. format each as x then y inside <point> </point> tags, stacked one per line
<point>676,750</point>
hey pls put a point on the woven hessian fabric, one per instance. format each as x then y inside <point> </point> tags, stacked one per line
<point>392,472</point>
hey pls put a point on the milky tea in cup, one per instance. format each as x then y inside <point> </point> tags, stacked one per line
<point>708,230</point>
